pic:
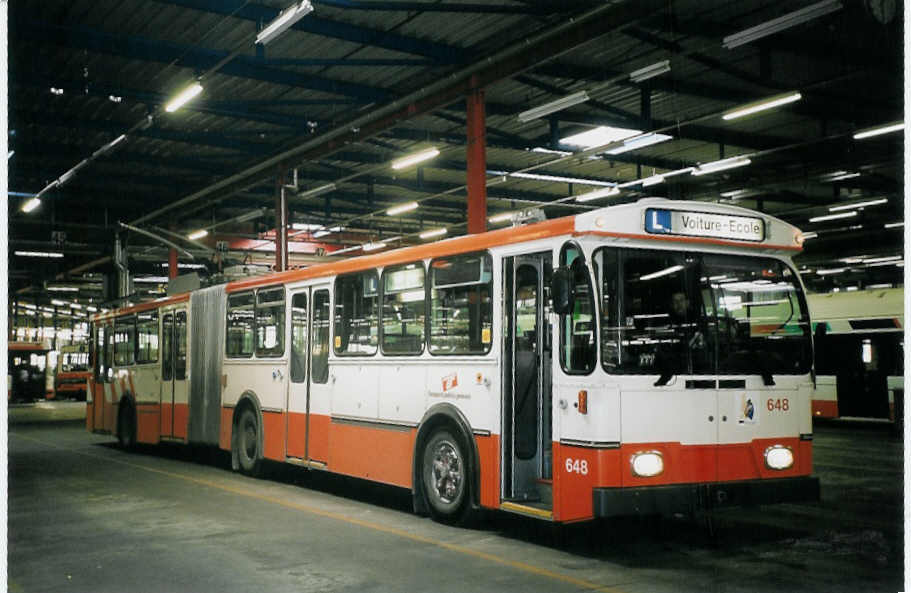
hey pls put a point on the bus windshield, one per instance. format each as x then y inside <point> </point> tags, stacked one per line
<point>669,313</point>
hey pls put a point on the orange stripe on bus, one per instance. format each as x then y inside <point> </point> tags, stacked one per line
<point>489,459</point>
<point>379,454</point>
<point>825,408</point>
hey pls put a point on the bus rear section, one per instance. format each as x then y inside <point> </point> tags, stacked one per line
<point>698,393</point>
<point>72,374</point>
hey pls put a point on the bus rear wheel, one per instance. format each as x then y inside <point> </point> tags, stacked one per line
<point>247,443</point>
<point>126,426</point>
<point>445,477</point>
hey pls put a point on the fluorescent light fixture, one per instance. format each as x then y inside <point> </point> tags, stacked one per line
<point>373,246</point>
<point>75,305</point>
<point>870,132</point>
<point>656,69</point>
<point>787,21</point>
<point>30,205</point>
<point>92,309</point>
<point>10,154</point>
<point>831,271</point>
<point>184,266</point>
<point>325,232</point>
<point>109,146</point>
<point>553,106</point>
<point>302,226</point>
<point>284,21</point>
<point>56,91</point>
<point>433,233</point>
<point>561,179</point>
<point>653,180</point>
<point>543,150</point>
<point>38,254</point>
<point>722,165</point>
<point>892,225</point>
<point>600,136</point>
<point>62,289</point>
<point>424,155</point>
<point>59,303</point>
<point>501,217</point>
<point>769,103</point>
<point>889,258</point>
<point>115,98</point>
<point>152,280</point>
<point>197,234</point>
<point>876,286</point>
<point>738,193</point>
<point>660,273</point>
<point>810,235</point>
<point>401,208</point>
<point>858,205</point>
<point>640,142</point>
<point>183,97</point>
<point>834,216</point>
<point>317,191</point>
<point>839,176</point>
<point>598,193</point>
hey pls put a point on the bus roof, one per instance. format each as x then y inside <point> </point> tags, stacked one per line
<point>653,219</point>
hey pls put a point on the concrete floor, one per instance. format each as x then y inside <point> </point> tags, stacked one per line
<point>86,516</point>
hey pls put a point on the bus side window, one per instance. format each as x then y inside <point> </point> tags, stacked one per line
<point>319,350</point>
<point>270,323</point>
<point>239,326</point>
<point>125,341</point>
<point>577,329</point>
<point>299,337</point>
<point>180,334</point>
<point>108,353</point>
<point>356,328</point>
<point>404,309</point>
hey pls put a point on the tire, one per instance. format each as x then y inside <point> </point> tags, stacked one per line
<point>126,426</point>
<point>446,477</point>
<point>247,441</point>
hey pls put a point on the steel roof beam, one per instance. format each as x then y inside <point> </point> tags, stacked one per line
<point>140,48</point>
<point>258,13</point>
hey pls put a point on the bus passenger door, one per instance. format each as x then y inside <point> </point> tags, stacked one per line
<point>174,402</point>
<point>308,391</point>
<point>526,432</point>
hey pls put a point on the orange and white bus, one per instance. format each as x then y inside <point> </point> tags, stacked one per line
<point>859,352</point>
<point>641,358</point>
<point>72,376</point>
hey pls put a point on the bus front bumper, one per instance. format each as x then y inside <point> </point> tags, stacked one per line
<point>688,498</point>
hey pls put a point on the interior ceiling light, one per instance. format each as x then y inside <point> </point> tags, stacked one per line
<point>640,142</point>
<point>10,154</point>
<point>660,273</point>
<point>781,23</point>
<point>115,98</point>
<point>303,226</point>
<point>833,216</point>
<point>653,180</point>
<point>831,271</point>
<point>722,165</point>
<point>401,208</point>
<point>598,193</point>
<point>317,191</point>
<point>56,91</point>
<point>543,150</point>
<point>656,69</point>
<point>839,176</point>
<point>373,246</point>
<point>870,132</point>
<point>858,205</point>
<point>762,105</point>
<point>500,217</point>
<point>39,254</point>
<point>600,136</point>
<point>433,233</point>
<point>553,106</point>
<point>284,21</point>
<point>892,225</point>
<point>738,193</point>
<point>197,234</point>
<point>109,146</point>
<point>561,179</point>
<point>424,155</point>
<point>183,97</point>
<point>63,289</point>
<point>810,235</point>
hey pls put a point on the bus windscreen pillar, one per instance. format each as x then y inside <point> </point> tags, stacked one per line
<point>476,158</point>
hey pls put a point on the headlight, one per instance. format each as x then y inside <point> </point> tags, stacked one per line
<point>779,457</point>
<point>646,464</point>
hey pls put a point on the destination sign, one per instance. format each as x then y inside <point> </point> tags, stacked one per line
<point>703,224</point>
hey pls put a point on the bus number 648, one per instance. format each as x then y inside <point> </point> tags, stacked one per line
<point>579,466</point>
<point>781,405</point>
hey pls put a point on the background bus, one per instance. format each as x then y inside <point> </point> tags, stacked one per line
<point>72,375</point>
<point>859,352</point>
<point>27,371</point>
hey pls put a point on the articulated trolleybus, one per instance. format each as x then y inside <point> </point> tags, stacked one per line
<point>644,358</point>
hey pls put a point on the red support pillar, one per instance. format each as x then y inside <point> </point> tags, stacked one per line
<point>477,159</point>
<point>172,259</point>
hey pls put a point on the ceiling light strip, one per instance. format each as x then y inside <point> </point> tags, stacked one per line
<point>763,105</point>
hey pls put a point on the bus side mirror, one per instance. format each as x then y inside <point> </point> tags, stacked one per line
<point>562,290</point>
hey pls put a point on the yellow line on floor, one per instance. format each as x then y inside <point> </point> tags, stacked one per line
<point>521,566</point>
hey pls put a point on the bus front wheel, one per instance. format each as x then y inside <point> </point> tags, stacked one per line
<point>445,477</point>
